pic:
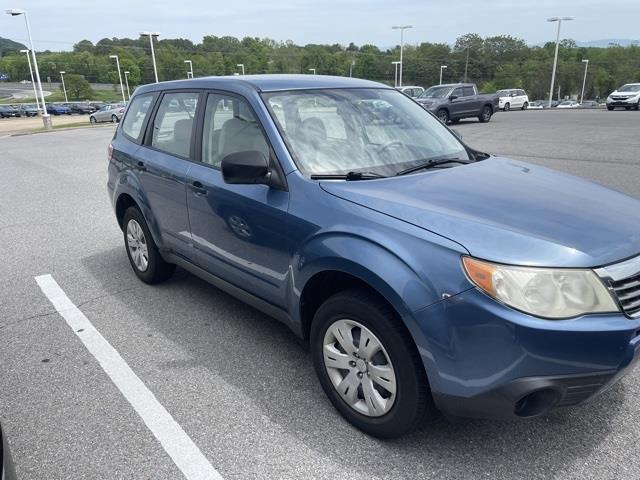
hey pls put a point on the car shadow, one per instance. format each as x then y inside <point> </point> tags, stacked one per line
<point>276,374</point>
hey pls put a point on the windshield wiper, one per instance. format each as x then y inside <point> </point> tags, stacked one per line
<point>434,162</point>
<point>347,176</point>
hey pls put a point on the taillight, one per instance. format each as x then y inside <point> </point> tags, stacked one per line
<point>121,110</point>
<point>110,152</point>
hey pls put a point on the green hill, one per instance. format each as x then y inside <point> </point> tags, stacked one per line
<point>6,45</point>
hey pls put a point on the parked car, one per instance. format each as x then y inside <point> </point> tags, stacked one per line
<point>512,98</point>
<point>589,104</point>
<point>627,96</point>
<point>28,110</point>
<point>537,105</point>
<point>455,101</point>
<point>81,108</point>
<point>57,109</point>
<point>568,104</point>
<point>97,105</point>
<point>7,111</point>
<point>422,272</point>
<point>108,113</point>
<point>7,471</point>
<point>411,91</point>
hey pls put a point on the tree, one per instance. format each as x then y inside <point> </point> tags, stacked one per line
<point>77,87</point>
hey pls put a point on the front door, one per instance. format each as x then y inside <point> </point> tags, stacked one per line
<point>238,231</point>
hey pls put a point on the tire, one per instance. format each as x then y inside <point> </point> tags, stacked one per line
<point>443,115</point>
<point>137,238</point>
<point>525,105</point>
<point>396,413</point>
<point>93,119</point>
<point>485,114</point>
<point>610,108</point>
<point>114,119</point>
<point>507,107</point>
<point>637,106</point>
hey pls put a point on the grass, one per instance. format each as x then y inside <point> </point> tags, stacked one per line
<point>98,96</point>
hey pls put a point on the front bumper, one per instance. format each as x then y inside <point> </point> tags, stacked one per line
<point>631,102</point>
<point>486,360</point>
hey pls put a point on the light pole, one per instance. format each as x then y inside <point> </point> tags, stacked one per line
<point>64,89</point>
<point>153,53</point>
<point>45,116</point>
<point>555,58</point>
<point>190,72</point>
<point>33,83</point>
<point>126,81</point>
<point>241,65</point>
<point>353,64</point>
<point>119,76</point>
<point>442,67</point>
<point>584,80</point>
<point>402,28</point>
<point>395,81</point>
<point>312,70</point>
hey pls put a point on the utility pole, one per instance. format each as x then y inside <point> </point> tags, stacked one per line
<point>466,66</point>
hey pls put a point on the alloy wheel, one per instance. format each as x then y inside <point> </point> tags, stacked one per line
<point>359,368</point>
<point>137,245</point>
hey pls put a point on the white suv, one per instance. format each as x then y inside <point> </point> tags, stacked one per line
<point>627,96</point>
<point>512,98</point>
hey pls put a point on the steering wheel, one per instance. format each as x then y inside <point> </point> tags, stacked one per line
<point>390,144</point>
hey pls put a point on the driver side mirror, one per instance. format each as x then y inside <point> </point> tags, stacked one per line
<point>246,167</point>
<point>453,97</point>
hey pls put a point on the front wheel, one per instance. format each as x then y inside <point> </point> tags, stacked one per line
<point>368,365</point>
<point>114,119</point>
<point>443,115</point>
<point>485,114</point>
<point>93,119</point>
<point>525,106</point>
<point>610,108</point>
<point>145,259</point>
<point>507,107</point>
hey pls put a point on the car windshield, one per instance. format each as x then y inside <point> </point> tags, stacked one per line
<point>380,131</point>
<point>435,92</point>
<point>630,88</point>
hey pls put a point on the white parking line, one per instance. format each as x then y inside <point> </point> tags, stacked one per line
<point>184,453</point>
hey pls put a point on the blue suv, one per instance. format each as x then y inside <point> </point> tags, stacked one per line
<point>425,275</point>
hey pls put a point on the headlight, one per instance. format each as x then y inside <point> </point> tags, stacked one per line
<point>543,292</point>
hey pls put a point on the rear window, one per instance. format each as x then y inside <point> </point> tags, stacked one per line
<point>174,122</point>
<point>135,117</point>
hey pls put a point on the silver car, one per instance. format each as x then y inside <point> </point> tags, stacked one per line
<point>108,113</point>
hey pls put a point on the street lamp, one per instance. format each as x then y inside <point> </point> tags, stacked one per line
<point>395,81</point>
<point>584,80</point>
<point>190,72</point>
<point>442,67</point>
<point>402,28</point>
<point>64,89</point>
<point>555,58</point>
<point>353,64</point>
<point>153,53</point>
<point>312,70</point>
<point>33,83</point>
<point>119,76</point>
<point>45,116</point>
<point>126,81</point>
<point>241,65</point>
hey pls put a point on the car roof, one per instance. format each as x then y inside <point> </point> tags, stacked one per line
<point>264,83</point>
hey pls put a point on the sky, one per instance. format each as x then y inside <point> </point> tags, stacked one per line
<point>58,24</point>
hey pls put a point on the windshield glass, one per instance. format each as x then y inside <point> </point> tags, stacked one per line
<point>336,131</point>
<point>629,88</point>
<point>435,92</point>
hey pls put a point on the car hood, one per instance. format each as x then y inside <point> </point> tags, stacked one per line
<point>624,94</point>
<point>510,212</point>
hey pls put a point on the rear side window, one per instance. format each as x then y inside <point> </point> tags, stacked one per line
<point>174,122</point>
<point>136,114</point>
<point>468,91</point>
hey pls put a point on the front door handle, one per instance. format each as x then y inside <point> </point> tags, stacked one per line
<point>198,188</point>
<point>140,166</point>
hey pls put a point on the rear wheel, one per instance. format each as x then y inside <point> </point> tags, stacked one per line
<point>368,365</point>
<point>485,114</point>
<point>507,107</point>
<point>145,259</point>
<point>443,115</point>
<point>92,119</point>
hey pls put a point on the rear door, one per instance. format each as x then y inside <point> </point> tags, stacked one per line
<point>239,231</point>
<point>162,164</point>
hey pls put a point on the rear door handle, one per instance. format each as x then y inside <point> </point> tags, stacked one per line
<point>198,188</point>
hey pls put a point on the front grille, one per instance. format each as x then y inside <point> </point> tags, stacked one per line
<point>628,293</point>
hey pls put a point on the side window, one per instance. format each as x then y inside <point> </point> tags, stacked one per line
<point>230,126</point>
<point>137,112</point>
<point>468,91</point>
<point>458,92</point>
<point>173,123</point>
<point>522,93</point>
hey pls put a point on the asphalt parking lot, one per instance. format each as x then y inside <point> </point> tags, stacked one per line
<point>238,383</point>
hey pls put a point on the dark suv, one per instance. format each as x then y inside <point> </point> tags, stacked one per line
<point>422,272</point>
